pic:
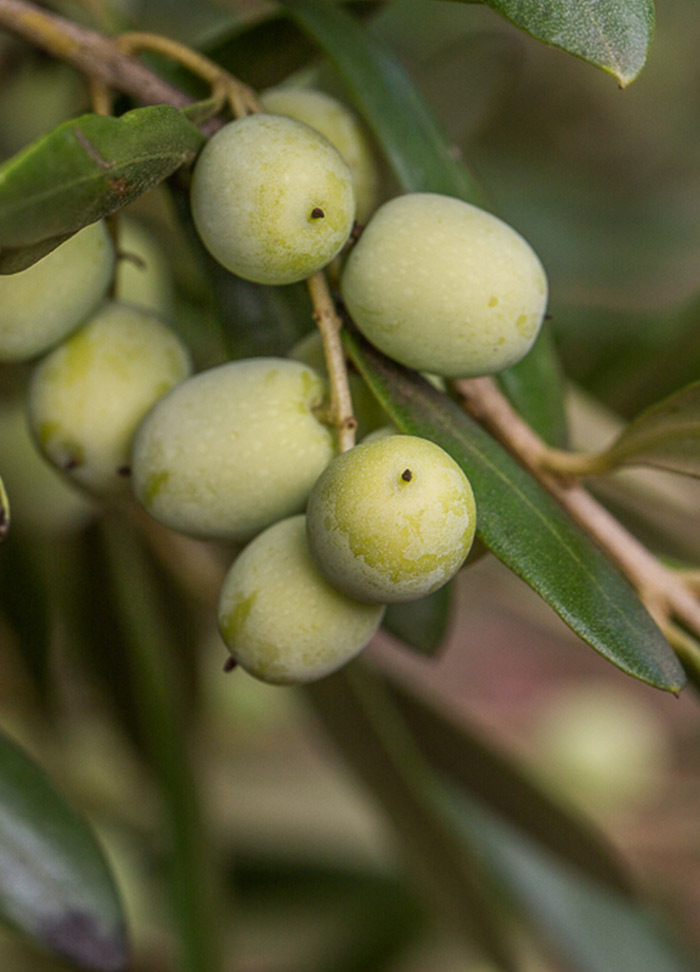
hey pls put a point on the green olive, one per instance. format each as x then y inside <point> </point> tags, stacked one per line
<point>281,620</point>
<point>272,199</point>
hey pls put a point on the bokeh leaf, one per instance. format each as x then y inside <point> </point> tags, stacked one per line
<point>589,927</point>
<point>525,528</point>
<point>361,719</point>
<point>458,754</point>
<point>666,435</point>
<point>88,168</point>
<point>611,34</point>
<point>54,882</point>
<point>421,624</point>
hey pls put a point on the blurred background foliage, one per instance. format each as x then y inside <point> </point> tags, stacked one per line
<point>605,184</point>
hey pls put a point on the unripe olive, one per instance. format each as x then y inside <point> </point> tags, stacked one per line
<point>41,305</point>
<point>340,126</point>
<point>391,520</point>
<point>87,397</point>
<point>445,287</point>
<point>233,448</point>
<point>281,620</point>
<point>272,199</point>
<point>43,501</point>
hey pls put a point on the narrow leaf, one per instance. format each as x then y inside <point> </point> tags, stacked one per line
<point>421,624</point>
<point>54,882</point>
<point>525,528</point>
<point>611,34</point>
<point>88,168</point>
<point>405,127</point>
<point>468,761</point>
<point>589,927</point>
<point>360,717</point>
<point>666,435</point>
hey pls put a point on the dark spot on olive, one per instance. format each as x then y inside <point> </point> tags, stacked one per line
<point>124,471</point>
<point>407,475</point>
<point>317,213</point>
<point>230,664</point>
<point>71,463</point>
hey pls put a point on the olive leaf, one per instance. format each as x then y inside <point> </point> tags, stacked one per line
<point>85,169</point>
<point>525,528</point>
<point>611,34</point>
<point>666,435</point>
<point>55,884</point>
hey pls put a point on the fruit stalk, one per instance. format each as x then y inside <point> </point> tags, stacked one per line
<point>329,325</point>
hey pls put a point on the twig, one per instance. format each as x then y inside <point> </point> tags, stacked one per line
<point>96,56</point>
<point>661,588</point>
<point>329,324</point>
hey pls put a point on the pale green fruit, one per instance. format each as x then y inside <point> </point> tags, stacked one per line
<point>43,501</point>
<point>233,448</point>
<point>391,520</point>
<point>87,397</point>
<point>368,413</point>
<point>445,287</point>
<point>281,620</point>
<point>143,274</point>
<point>272,199</point>
<point>340,126</point>
<point>41,305</point>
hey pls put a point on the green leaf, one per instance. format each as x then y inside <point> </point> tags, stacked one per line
<point>415,144</point>
<point>590,928</point>
<point>88,168</point>
<point>666,435</point>
<point>4,511</point>
<point>421,624</point>
<point>525,528</point>
<point>54,882</point>
<point>611,34</point>
<point>458,753</point>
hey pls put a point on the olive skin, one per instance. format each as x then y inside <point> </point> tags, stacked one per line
<point>445,287</point>
<point>279,617</point>
<point>391,520</point>
<point>272,199</point>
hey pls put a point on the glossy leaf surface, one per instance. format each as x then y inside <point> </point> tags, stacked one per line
<point>612,34</point>
<point>526,529</point>
<point>54,882</point>
<point>88,168</point>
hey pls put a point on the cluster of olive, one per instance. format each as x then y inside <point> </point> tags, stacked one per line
<point>241,450</point>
